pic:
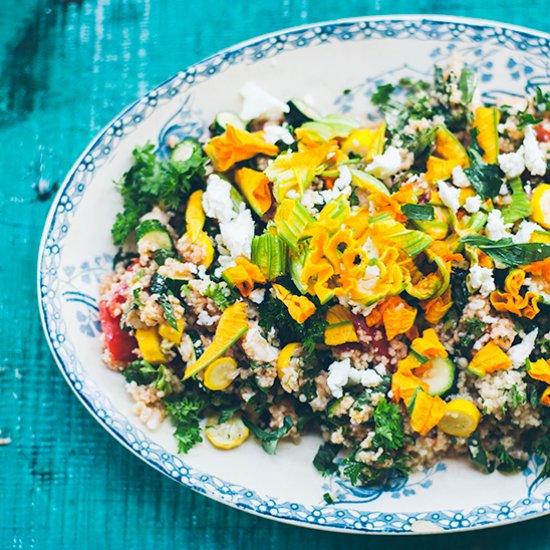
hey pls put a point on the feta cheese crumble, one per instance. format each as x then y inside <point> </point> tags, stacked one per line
<point>496,228</point>
<point>273,134</point>
<point>535,157</point>
<point>256,102</point>
<point>386,164</point>
<point>338,374</point>
<point>342,186</point>
<point>520,352</point>
<point>459,177</point>
<point>481,278</point>
<point>216,200</point>
<point>525,230</point>
<point>449,195</point>
<point>512,164</point>
<point>473,204</point>
<point>238,233</point>
<point>342,373</point>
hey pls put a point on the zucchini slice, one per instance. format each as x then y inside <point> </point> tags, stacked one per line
<point>185,149</point>
<point>152,235</point>
<point>222,120</point>
<point>440,376</point>
<point>300,112</point>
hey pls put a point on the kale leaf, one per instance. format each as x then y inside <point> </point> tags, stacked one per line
<point>506,462</point>
<point>324,459</point>
<point>273,313</point>
<point>141,372</point>
<point>478,455</point>
<point>270,439</point>
<point>459,289</point>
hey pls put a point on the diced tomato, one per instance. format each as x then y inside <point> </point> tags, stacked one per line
<point>543,132</point>
<point>378,342</point>
<point>119,343</point>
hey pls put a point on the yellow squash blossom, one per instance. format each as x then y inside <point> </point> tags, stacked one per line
<point>398,317</point>
<point>426,413</point>
<point>244,275</point>
<point>236,145</point>
<point>436,308</point>
<point>340,328</point>
<point>429,345</point>
<point>299,307</point>
<point>296,171</point>
<point>404,384</point>
<point>366,142</point>
<point>545,398</point>
<point>511,300</point>
<point>254,186</point>
<point>489,358</point>
<point>539,370</point>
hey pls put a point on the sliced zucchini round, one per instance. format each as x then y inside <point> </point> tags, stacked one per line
<point>153,235</point>
<point>223,119</point>
<point>440,376</point>
<point>185,149</point>
<point>300,112</point>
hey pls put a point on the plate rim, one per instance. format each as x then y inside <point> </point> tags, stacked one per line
<point>98,137</point>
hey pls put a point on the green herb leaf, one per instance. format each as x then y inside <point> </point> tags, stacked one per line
<point>270,439</point>
<point>388,423</point>
<point>505,462</point>
<point>152,181</point>
<point>486,179</point>
<point>382,94</point>
<point>141,372</point>
<point>184,413</point>
<point>324,459</point>
<point>222,295</point>
<point>418,211</point>
<point>507,252</point>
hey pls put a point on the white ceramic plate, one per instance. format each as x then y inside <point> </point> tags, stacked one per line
<point>318,62</point>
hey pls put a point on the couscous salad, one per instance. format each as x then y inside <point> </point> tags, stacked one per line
<point>382,282</point>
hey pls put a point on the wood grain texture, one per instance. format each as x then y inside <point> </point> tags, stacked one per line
<point>67,68</point>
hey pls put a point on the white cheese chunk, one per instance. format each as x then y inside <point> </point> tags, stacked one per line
<point>535,157</point>
<point>473,204</point>
<point>512,164</point>
<point>520,352</point>
<point>449,195</point>
<point>257,101</point>
<point>481,278</point>
<point>386,164</point>
<point>238,233</point>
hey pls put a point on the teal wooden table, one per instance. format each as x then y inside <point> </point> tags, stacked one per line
<point>67,67</point>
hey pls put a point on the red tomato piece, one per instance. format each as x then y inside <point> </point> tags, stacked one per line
<point>121,344</point>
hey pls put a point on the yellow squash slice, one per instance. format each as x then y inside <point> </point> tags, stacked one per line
<point>486,121</point>
<point>227,435</point>
<point>460,419</point>
<point>232,325</point>
<point>220,374</point>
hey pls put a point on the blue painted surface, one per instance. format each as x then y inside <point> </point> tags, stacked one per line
<point>68,67</point>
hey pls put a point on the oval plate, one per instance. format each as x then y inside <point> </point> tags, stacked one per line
<point>76,251</point>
